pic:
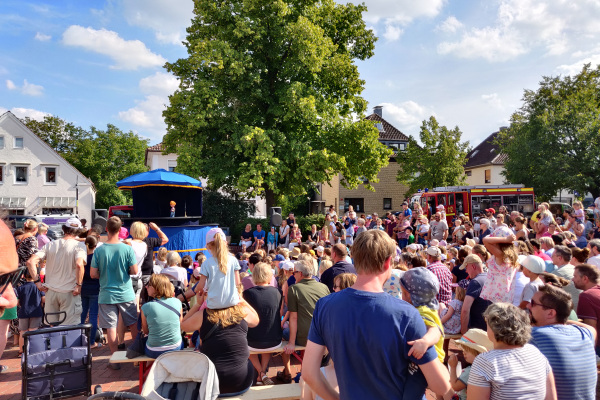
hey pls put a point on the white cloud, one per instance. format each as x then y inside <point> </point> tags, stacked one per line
<point>450,25</point>
<point>554,26</point>
<point>28,89</point>
<point>394,15</point>
<point>127,54</point>
<point>406,116</point>
<point>41,37</point>
<point>492,99</point>
<point>168,19</point>
<point>147,114</point>
<point>25,112</point>
<point>576,67</point>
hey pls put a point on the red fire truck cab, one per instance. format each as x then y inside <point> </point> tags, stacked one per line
<point>471,200</point>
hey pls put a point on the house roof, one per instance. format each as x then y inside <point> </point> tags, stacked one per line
<point>487,152</point>
<point>12,116</point>
<point>156,147</point>
<point>389,131</point>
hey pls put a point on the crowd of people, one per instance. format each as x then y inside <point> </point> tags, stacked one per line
<point>369,298</point>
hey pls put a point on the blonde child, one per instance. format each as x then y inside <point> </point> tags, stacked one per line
<point>578,212</point>
<point>473,342</point>
<point>450,317</point>
<point>161,257</point>
<point>219,274</point>
<point>420,288</point>
<point>499,286</point>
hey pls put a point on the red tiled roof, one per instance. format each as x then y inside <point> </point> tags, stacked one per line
<point>389,132</point>
<point>156,147</point>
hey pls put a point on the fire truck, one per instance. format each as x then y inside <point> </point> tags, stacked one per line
<point>471,200</point>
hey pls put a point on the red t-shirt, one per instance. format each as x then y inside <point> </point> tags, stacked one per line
<point>589,305</point>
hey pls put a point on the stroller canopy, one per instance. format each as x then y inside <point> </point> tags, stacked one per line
<point>182,367</point>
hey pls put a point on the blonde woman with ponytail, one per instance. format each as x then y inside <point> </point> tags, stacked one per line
<point>219,274</point>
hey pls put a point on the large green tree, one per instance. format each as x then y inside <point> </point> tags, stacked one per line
<point>104,156</point>
<point>269,97</point>
<point>438,161</point>
<point>553,142</point>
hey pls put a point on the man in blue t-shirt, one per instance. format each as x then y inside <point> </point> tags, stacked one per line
<point>471,313</point>
<point>568,345</point>
<point>112,264</point>
<point>380,326</point>
<point>259,237</point>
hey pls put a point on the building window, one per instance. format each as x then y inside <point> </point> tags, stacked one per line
<point>50,175</point>
<point>1,142</point>
<point>488,176</point>
<point>1,174</point>
<point>402,146</point>
<point>50,211</point>
<point>21,175</point>
<point>171,165</point>
<point>387,203</point>
<point>18,143</point>
<point>468,173</point>
<point>20,211</point>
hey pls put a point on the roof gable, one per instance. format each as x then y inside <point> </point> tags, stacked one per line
<point>26,131</point>
<point>487,152</point>
<point>389,131</point>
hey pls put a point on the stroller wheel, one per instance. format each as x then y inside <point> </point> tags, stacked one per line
<point>98,389</point>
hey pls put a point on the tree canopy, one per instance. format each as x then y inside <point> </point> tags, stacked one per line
<point>438,162</point>
<point>269,96</point>
<point>104,156</point>
<point>553,141</point>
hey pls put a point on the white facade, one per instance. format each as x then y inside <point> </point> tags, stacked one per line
<point>155,159</point>
<point>34,179</point>
<point>477,176</point>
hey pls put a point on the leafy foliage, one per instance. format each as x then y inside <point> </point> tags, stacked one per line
<point>104,156</point>
<point>438,163</point>
<point>553,142</point>
<point>225,210</point>
<point>267,96</point>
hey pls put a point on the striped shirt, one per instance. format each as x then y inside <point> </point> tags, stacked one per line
<point>570,351</point>
<point>445,277</point>
<point>512,374</point>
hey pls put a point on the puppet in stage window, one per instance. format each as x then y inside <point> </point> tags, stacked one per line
<point>173,204</point>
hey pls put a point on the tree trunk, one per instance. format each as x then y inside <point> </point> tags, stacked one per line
<point>270,198</point>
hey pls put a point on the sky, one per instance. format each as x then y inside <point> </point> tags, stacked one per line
<point>467,63</point>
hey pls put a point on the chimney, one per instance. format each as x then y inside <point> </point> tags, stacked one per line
<point>378,110</point>
<point>503,128</point>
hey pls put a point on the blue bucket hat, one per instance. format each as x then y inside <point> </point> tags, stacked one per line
<point>423,287</point>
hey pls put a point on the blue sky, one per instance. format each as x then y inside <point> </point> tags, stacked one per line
<point>465,62</point>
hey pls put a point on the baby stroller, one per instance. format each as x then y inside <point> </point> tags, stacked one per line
<point>56,362</point>
<point>181,375</point>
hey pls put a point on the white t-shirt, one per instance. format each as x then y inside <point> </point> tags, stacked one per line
<point>140,249</point>
<point>514,374</point>
<point>595,260</point>
<point>60,256</point>
<point>177,273</point>
<point>520,282</point>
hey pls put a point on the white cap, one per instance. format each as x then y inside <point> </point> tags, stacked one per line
<point>73,223</point>
<point>320,249</point>
<point>210,236</point>
<point>434,251</point>
<point>286,265</point>
<point>535,264</point>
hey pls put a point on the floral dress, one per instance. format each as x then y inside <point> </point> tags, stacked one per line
<point>452,326</point>
<point>499,286</point>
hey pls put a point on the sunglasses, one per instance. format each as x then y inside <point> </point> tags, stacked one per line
<point>10,278</point>
<point>535,303</point>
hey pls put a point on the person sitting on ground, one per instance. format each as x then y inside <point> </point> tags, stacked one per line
<point>161,318</point>
<point>174,269</point>
<point>272,239</point>
<point>568,345</point>
<point>266,336</point>
<point>259,237</point>
<point>246,238</point>
<point>514,369</point>
<point>224,336</point>
<point>339,253</point>
<point>343,281</point>
<point>420,288</point>
<point>473,343</point>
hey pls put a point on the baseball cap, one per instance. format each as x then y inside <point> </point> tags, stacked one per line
<point>320,249</point>
<point>73,223</point>
<point>279,257</point>
<point>434,251</point>
<point>490,210</point>
<point>210,235</point>
<point>470,259</point>
<point>287,265</point>
<point>534,263</point>
<point>476,339</point>
<point>123,233</point>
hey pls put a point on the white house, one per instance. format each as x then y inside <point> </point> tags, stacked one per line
<point>35,179</point>
<point>156,159</point>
